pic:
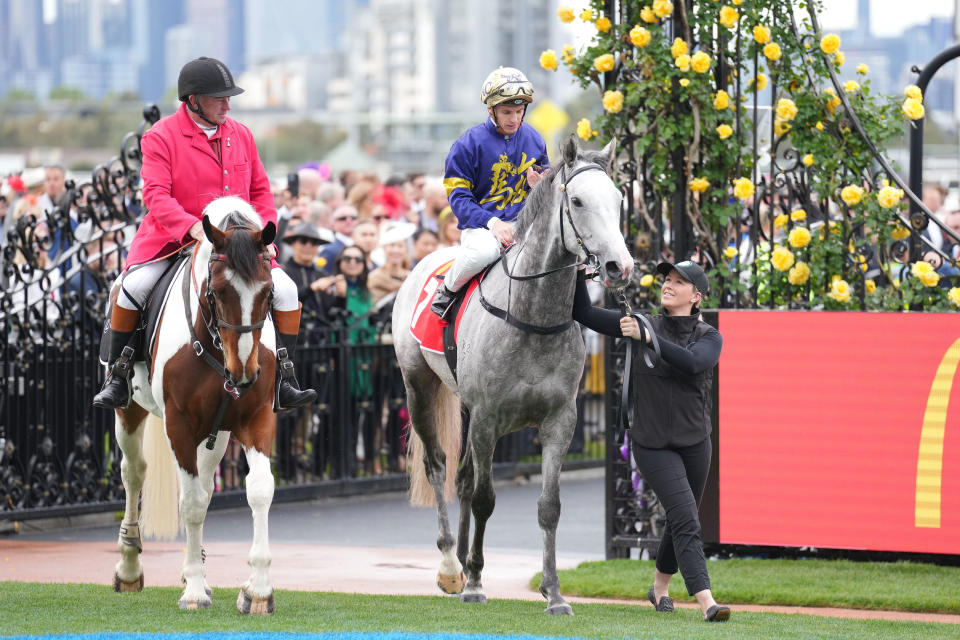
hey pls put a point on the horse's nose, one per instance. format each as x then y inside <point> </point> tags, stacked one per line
<point>618,272</point>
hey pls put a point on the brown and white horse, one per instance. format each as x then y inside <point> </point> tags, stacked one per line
<point>226,300</point>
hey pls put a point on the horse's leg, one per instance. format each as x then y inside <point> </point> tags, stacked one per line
<point>465,495</point>
<point>422,402</point>
<point>207,462</point>
<point>554,448</point>
<point>256,594</point>
<point>482,441</point>
<point>128,574</point>
<point>193,509</point>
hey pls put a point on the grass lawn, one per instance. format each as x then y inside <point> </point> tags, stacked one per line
<point>904,586</point>
<point>28,608</point>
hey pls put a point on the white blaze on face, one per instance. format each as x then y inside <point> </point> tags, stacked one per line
<point>247,292</point>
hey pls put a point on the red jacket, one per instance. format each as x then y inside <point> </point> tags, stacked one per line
<point>182,175</point>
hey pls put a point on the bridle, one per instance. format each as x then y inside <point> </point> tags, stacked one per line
<point>591,260</point>
<point>233,390</point>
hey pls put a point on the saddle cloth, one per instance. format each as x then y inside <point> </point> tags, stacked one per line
<point>426,326</point>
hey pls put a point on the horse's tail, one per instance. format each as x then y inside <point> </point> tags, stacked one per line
<point>446,412</point>
<point>160,515</point>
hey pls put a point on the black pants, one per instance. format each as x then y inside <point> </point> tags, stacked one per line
<point>678,477</point>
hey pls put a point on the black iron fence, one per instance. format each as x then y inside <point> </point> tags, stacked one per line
<point>58,455</point>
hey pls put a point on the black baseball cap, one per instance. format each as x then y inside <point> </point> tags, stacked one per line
<point>689,271</point>
<point>206,77</point>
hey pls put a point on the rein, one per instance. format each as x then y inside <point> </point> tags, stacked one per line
<point>590,260</point>
<point>232,390</point>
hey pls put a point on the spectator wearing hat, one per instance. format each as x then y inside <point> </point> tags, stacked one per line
<point>314,290</point>
<point>396,267</point>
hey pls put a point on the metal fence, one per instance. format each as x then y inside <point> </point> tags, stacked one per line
<point>58,455</point>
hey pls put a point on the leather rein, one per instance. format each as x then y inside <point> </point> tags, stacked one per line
<point>591,259</point>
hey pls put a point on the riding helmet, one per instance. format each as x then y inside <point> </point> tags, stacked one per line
<point>506,85</point>
<point>206,77</point>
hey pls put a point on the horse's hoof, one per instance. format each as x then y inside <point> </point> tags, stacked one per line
<point>254,606</point>
<point>562,609</point>
<point>198,603</point>
<point>122,586</point>
<point>451,583</point>
<point>478,598</point>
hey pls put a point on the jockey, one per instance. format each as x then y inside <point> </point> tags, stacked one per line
<point>190,158</point>
<point>489,172</point>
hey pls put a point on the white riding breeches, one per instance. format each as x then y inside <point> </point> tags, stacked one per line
<point>140,281</point>
<point>478,248</point>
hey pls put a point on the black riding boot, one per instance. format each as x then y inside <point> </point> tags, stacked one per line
<point>116,389</point>
<point>442,300</point>
<point>289,393</point>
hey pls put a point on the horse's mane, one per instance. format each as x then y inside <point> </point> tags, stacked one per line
<point>542,194</point>
<point>242,252</point>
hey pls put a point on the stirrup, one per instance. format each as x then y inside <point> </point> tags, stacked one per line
<point>443,300</point>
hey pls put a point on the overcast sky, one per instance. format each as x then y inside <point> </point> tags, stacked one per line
<point>887,17</point>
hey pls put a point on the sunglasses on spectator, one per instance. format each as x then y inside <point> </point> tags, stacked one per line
<point>379,218</point>
<point>310,241</point>
<point>357,259</point>
<point>341,218</point>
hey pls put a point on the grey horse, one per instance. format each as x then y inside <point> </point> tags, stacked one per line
<point>515,374</point>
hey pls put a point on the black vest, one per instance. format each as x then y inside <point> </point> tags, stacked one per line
<point>671,408</point>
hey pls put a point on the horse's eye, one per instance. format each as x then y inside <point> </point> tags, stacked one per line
<point>577,202</point>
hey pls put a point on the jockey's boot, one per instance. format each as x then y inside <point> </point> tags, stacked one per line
<point>289,394</point>
<point>442,300</point>
<point>116,388</point>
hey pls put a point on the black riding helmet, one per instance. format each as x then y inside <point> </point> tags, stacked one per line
<point>205,77</point>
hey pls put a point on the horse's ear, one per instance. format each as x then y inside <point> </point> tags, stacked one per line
<point>208,229</point>
<point>268,234</point>
<point>569,149</point>
<point>610,153</point>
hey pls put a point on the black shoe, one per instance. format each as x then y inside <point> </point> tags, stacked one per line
<point>442,300</point>
<point>114,395</point>
<point>717,613</point>
<point>291,397</point>
<point>664,606</point>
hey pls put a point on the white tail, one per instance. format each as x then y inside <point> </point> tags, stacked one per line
<point>447,416</point>
<point>160,511</point>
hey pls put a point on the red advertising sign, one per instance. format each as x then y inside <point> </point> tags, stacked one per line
<point>840,430</point>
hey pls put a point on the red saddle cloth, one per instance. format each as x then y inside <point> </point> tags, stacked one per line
<point>426,326</point>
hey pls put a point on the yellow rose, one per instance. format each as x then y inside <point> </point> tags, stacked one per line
<point>851,194</point>
<point>920,269</point>
<point>678,48</point>
<point>603,24</point>
<point>700,62</point>
<point>565,14</point>
<point>798,215</point>
<point>684,82</point>
<point>583,129</point>
<point>889,197</point>
<point>786,109</point>
<point>840,58</point>
<point>799,237</point>
<point>808,160</point>
<point>799,274</point>
<point>839,290</point>
<point>913,91</point>
<point>699,185</point>
<point>819,126</point>
<point>548,60</point>
<point>646,280</point>
<point>603,62</point>
<point>662,8</point>
<point>721,100</point>
<point>834,99</point>
<point>761,33</point>
<point>780,222</point>
<point>728,16</point>
<point>683,62</point>
<point>781,127</point>
<point>567,53</point>
<point>772,51</point>
<point>830,43</point>
<point>612,101</point>
<point>761,82</point>
<point>869,285</point>
<point>862,69</point>
<point>782,258</point>
<point>930,279</point>
<point>730,253</point>
<point>724,131</point>
<point>912,108</point>
<point>900,232</point>
<point>851,86</point>
<point>954,296</point>
<point>743,188</point>
<point>639,36</point>
<point>587,15</point>
<point>647,15</point>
